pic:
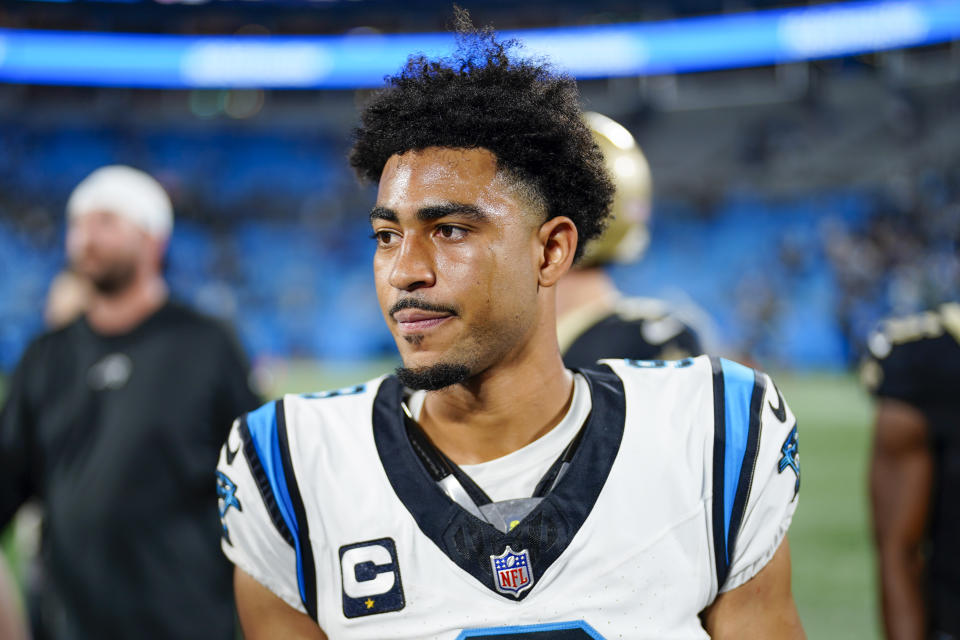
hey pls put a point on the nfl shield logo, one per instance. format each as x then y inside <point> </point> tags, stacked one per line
<point>512,573</point>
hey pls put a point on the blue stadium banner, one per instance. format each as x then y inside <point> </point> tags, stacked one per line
<point>358,61</point>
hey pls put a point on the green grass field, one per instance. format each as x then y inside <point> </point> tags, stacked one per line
<point>833,574</point>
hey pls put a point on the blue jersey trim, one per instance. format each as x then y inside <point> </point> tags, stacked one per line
<point>530,628</point>
<point>262,424</point>
<point>738,382</point>
<point>263,483</point>
<point>738,400</point>
<point>749,463</point>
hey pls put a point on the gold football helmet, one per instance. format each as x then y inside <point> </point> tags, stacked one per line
<point>626,236</point>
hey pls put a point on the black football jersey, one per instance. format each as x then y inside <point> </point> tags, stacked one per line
<point>636,328</point>
<point>916,359</point>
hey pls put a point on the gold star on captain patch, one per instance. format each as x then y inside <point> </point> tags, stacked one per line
<point>369,603</point>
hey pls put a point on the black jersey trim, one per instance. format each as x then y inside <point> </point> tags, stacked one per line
<point>547,530</point>
<point>306,569</point>
<point>438,465</point>
<point>738,393</point>
<point>263,483</point>
<point>719,434</point>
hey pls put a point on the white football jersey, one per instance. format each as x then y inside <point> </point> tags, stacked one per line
<point>682,486</point>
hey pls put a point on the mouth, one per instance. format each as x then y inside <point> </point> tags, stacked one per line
<point>417,321</point>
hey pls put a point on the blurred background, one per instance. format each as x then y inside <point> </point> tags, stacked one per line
<point>805,158</point>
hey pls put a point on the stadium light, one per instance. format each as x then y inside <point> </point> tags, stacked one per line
<point>358,61</point>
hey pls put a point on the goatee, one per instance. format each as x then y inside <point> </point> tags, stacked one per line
<point>432,378</point>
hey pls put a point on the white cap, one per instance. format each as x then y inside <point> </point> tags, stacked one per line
<point>126,192</point>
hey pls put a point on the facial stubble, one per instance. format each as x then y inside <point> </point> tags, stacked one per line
<point>114,278</point>
<point>486,347</point>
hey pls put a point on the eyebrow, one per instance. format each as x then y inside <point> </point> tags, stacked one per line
<point>382,213</point>
<point>434,212</point>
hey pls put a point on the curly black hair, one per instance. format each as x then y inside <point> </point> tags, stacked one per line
<point>520,110</point>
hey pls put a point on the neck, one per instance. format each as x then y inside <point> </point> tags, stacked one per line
<point>122,311</point>
<point>590,288</point>
<point>503,409</point>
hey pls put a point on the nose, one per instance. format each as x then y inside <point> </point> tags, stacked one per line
<point>413,266</point>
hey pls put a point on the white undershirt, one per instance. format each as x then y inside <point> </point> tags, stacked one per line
<point>517,474</point>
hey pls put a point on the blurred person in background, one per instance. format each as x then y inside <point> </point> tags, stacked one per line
<point>112,424</point>
<point>914,372</point>
<point>67,299</point>
<point>594,319</point>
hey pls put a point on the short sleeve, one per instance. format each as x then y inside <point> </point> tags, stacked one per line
<point>914,358</point>
<point>256,537</point>
<point>773,493</point>
<point>897,374</point>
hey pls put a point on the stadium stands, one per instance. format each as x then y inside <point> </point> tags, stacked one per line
<point>763,270</point>
<point>795,218</point>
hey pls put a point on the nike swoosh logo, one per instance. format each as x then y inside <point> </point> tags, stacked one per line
<point>781,411</point>
<point>232,454</point>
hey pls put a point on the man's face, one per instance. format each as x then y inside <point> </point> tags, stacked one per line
<point>106,249</point>
<point>456,265</point>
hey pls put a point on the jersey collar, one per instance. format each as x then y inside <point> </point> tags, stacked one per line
<point>547,530</point>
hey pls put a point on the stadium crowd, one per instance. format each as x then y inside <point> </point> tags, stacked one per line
<point>855,256</point>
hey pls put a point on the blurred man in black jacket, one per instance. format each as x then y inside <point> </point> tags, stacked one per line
<point>113,424</point>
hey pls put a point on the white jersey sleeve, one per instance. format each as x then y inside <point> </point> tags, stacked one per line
<point>756,472</point>
<point>775,490</point>
<point>259,523</point>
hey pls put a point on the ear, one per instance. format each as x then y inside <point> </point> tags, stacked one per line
<point>558,244</point>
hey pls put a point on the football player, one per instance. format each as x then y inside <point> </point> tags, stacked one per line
<point>914,372</point>
<point>595,321</point>
<point>485,490</point>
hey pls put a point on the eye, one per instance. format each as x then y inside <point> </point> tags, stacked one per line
<point>384,237</point>
<point>451,232</point>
